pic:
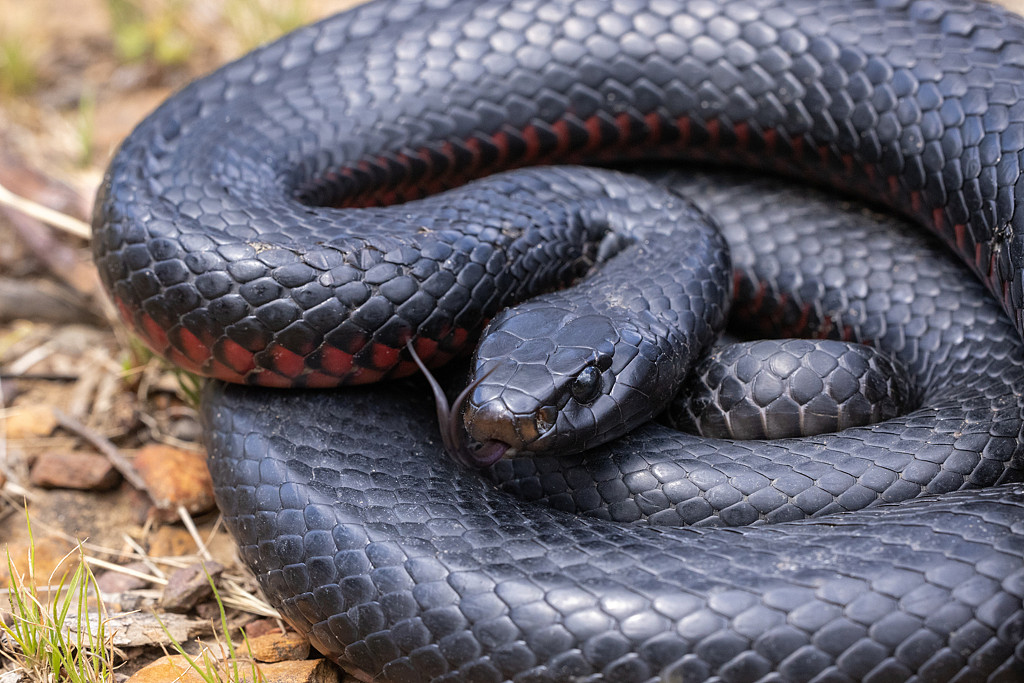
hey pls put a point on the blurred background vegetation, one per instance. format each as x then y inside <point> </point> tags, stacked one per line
<point>75,76</point>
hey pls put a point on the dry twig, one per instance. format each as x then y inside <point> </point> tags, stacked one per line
<point>104,446</point>
<point>59,220</point>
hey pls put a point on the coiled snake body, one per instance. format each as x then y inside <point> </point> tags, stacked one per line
<point>219,237</point>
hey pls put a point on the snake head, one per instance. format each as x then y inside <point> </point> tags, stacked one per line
<point>564,382</point>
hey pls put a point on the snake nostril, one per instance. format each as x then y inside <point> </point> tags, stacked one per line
<point>492,421</point>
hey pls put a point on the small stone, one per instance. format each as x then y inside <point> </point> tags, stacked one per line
<point>208,610</point>
<point>171,541</point>
<point>279,647</point>
<point>30,422</point>
<point>189,586</point>
<point>83,471</point>
<point>167,668</point>
<point>261,627</point>
<point>175,477</point>
<point>113,582</point>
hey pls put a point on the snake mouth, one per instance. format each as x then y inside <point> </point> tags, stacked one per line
<point>490,452</point>
<point>455,439</point>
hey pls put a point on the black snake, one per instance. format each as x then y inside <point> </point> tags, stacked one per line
<point>226,235</point>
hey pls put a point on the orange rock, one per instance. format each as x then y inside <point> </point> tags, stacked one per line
<point>306,671</point>
<point>176,669</point>
<point>166,669</point>
<point>85,471</point>
<point>175,477</point>
<point>279,647</point>
<point>30,422</point>
<point>261,627</point>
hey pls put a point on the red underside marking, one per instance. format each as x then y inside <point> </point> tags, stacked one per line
<point>960,233</point>
<point>425,349</point>
<point>848,163</point>
<point>500,140</point>
<point>153,333</point>
<point>561,130</point>
<point>426,158</point>
<point>183,361</point>
<point>742,131</point>
<point>758,300</point>
<point>404,369</point>
<point>448,152</point>
<point>654,130</point>
<point>459,337</point>
<point>894,185</point>
<point>288,363</point>
<point>532,143</point>
<point>335,361</point>
<point>319,380</point>
<point>473,145</point>
<point>714,132</point>
<point>236,356</point>
<point>126,313</point>
<point>383,357</point>
<point>915,201</point>
<point>197,351</point>
<point>736,280</point>
<point>625,125</point>
<point>223,372</point>
<point>274,380</point>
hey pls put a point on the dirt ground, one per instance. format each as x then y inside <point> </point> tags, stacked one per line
<point>74,79</point>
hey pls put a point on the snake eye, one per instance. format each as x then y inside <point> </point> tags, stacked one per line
<point>587,385</point>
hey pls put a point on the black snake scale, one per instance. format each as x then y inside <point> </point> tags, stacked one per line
<point>404,567</point>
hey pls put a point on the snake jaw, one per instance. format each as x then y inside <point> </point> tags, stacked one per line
<point>455,440</point>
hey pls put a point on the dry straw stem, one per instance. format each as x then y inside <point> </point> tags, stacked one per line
<point>61,221</point>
